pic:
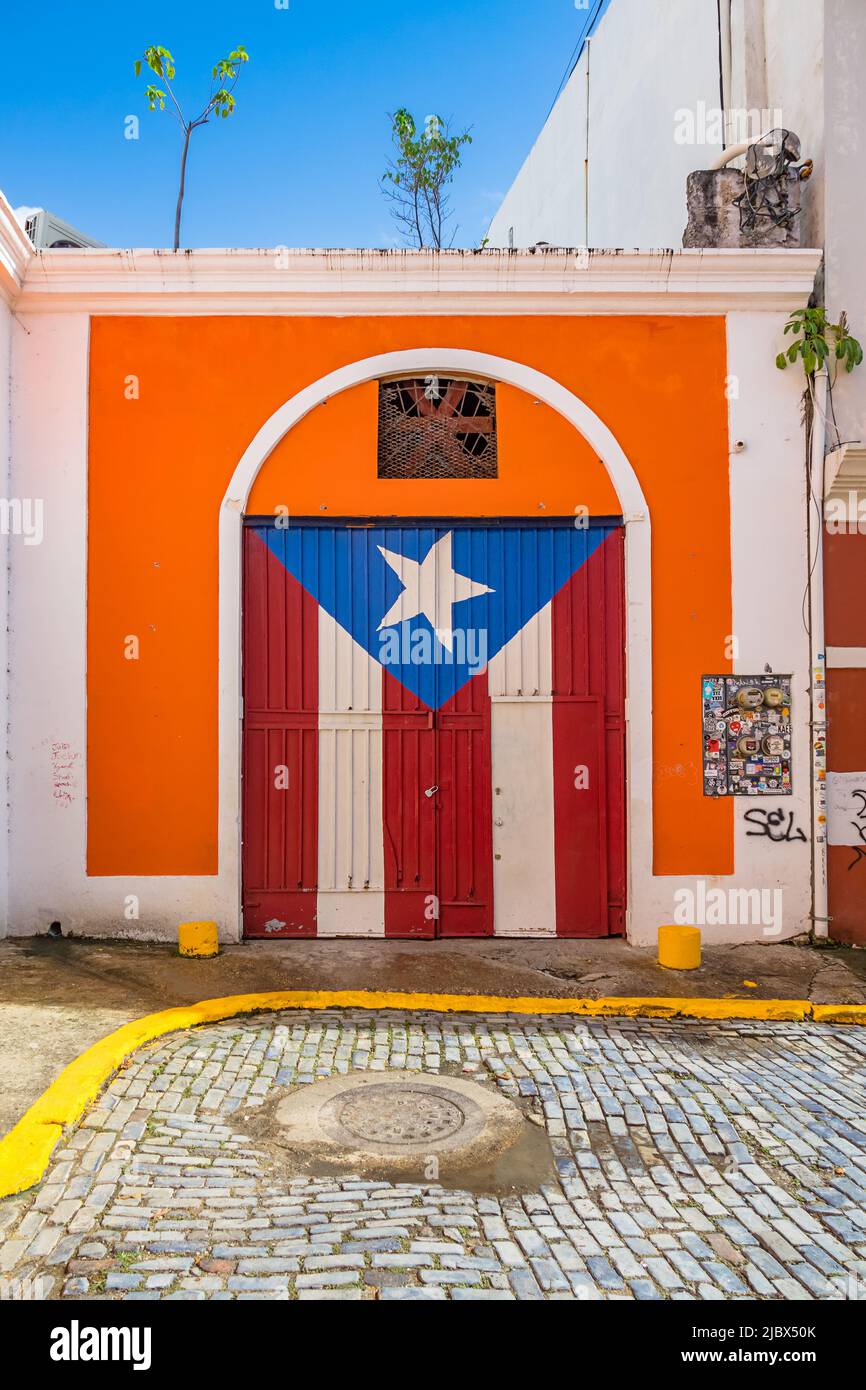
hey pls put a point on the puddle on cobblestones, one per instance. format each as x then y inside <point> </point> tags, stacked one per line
<point>527,1164</point>
<point>636,1156</point>
<point>415,1128</point>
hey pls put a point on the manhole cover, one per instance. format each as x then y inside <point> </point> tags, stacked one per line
<point>404,1121</point>
<point>408,1127</point>
<point>394,1114</point>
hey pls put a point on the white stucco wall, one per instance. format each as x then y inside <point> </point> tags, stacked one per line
<point>6,328</point>
<point>778,66</point>
<point>47,709</point>
<point>770,569</point>
<point>648,62</point>
<point>845,196</point>
<point>47,700</point>
<point>546,202</point>
<point>645,62</point>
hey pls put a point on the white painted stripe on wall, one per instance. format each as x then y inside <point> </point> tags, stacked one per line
<point>351,898</point>
<point>769,632</point>
<point>846,808</point>
<point>846,658</point>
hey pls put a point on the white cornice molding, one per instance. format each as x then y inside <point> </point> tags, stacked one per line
<point>281,281</point>
<point>845,472</point>
<point>16,251</point>
<point>846,659</point>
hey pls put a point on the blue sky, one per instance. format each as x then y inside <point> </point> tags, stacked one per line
<point>299,163</point>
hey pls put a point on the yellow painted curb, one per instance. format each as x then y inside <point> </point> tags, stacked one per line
<point>25,1151</point>
<point>838,1013</point>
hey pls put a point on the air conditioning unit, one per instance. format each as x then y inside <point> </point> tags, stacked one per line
<point>49,233</point>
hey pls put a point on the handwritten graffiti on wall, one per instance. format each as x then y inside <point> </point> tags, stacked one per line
<point>859,826</point>
<point>777,826</point>
<point>64,765</point>
<point>846,813</point>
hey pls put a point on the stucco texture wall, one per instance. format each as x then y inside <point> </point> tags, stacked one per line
<point>160,460</point>
<point>608,167</point>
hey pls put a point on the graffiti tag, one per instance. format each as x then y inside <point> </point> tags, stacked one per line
<point>771,823</point>
<point>859,825</point>
<point>64,764</point>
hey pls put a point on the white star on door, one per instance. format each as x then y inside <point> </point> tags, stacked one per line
<point>431,589</point>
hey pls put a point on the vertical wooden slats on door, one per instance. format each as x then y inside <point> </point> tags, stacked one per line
<point>368,811</point>
<point>464,841</point>
<point>408,813</point>
<point>280,748</point>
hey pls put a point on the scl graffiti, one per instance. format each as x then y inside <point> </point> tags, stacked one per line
<point>769,823</point>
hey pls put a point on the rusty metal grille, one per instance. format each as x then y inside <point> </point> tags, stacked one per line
<point>437,427</point>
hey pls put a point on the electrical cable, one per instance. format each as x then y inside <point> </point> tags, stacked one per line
<point>575,56</point>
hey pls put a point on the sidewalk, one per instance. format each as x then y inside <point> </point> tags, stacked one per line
<point>57,997</point>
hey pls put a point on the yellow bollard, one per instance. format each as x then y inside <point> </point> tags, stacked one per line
<point>198,939</point>
<point>680,947</point>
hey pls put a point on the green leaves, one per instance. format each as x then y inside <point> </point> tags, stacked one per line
<point>159,60</point>
<point>424,165</point>
<point>429,160</point>
<point>154,97</point>
<point>223,102</point>
<point>227,68</point>
<point>220,102</point>
<point>816,339</point>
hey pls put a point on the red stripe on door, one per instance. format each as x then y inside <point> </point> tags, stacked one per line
<point>436,811</point>
<point>589,746</point>
<point>408,813</point>
<point>280,748</point>
<point>464,843</point>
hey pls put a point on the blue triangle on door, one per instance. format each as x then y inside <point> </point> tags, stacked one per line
<point>521,567</point>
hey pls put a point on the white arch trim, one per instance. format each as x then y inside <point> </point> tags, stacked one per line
<point>424,361</point>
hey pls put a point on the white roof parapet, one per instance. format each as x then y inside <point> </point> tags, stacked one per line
<point>287,281</point>
<point>16,252</point>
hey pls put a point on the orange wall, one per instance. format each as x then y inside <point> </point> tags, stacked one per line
<point>328,462</point>
<point>160,464</point>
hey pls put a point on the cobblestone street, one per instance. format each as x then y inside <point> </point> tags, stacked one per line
<point>695,1161</point>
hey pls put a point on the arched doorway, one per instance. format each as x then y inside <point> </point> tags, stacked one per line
<point>460,880</point>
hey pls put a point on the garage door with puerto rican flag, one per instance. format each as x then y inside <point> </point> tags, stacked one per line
<point>433,729</point>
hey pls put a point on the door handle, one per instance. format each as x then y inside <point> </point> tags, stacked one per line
<point>431,791</point>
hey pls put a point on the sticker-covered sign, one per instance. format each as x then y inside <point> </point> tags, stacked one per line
<point>746,735</point>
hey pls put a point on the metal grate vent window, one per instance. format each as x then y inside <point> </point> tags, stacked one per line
<point>437,427</point>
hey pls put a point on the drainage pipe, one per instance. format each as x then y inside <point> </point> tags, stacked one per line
<point>818,660</point>
<point>732,152</point>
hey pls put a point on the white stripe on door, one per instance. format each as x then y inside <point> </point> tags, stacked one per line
<point>351,898</point>
<point>520,681</point>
